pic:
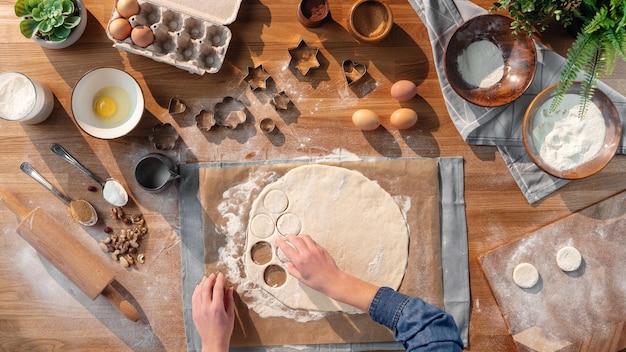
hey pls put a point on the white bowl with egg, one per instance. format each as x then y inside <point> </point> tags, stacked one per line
<point>562,144</point>
<point>107,103</point>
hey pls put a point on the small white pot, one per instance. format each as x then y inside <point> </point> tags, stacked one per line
<point>77,32</point>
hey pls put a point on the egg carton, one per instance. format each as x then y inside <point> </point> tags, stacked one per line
<point>196,44</point>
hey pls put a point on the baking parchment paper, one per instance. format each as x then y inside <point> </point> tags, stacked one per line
<point>455,283</point>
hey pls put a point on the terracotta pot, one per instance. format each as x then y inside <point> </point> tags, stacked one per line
<point>77,32</point>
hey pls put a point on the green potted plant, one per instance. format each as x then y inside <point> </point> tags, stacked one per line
<point>52,23</point>
<point>600,36</point>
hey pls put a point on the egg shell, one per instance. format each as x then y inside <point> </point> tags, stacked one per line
<point>403,90</point>
<point>120,28</point>
<point>142,36</point>
<point>127,8</point>
<point>365,119</point>
<point>403,118</point>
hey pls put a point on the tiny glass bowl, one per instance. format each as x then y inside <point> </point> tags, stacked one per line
<point>518,54</point>
<point>612,134</point>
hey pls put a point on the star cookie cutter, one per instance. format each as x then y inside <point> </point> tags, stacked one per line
<point>257,77</point>
<point>304,57</point>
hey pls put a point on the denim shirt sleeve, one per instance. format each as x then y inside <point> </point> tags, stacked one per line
<point>417,324</point>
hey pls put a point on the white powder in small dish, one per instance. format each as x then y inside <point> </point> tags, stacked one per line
<point>17,96</point>
<point>565,141</point>
<point>481,64</point>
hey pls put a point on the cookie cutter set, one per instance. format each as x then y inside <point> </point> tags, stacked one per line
<point>191,35</point>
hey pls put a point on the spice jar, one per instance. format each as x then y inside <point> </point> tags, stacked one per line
<point>370,21</point>
<point>312,13</point>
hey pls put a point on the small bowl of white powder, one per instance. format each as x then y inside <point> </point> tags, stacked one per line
<point>565,144</point>
<point>488,65</point>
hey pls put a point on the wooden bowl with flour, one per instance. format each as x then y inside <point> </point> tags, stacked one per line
<point>567,144</point>
<point>488,65</point>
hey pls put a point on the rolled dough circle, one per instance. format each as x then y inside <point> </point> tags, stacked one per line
<point>525,275</point>
<point>351,216</point>
<point>568,259</point>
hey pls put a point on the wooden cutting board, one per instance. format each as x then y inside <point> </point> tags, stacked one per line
<point>584,310</point>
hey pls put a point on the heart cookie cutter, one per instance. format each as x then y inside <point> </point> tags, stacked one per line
<point>353,72</point>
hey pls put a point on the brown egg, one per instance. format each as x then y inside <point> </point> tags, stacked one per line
<point>127,8</point>
<point>403,90</point>
<point>119,28</point>
<point>403,118</point>
<point>142,36</point>
<point>365,119</point>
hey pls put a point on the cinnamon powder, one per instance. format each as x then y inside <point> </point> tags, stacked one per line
<point>370,19</point>
<point>80,210</point>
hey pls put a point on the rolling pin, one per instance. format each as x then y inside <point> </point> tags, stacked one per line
<point>68,255</point>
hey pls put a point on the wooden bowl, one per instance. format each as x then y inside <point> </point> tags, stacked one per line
<point>593,165</point>
<point>519,58</point>
<point>370,21</point>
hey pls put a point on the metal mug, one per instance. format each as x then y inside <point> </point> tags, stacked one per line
<point>154,171</point>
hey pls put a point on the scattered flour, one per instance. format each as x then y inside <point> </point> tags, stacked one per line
<point>481,64</point>
<point>565,141</point>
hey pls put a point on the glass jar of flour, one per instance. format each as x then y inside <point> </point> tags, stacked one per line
<point>23,99</point>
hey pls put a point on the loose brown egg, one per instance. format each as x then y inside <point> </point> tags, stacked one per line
<point>403,90</point>
<point>403,118</point>
<point>365,119</point>
<point>142,36</point>
<point>119,28</point>
<point>127,8</point>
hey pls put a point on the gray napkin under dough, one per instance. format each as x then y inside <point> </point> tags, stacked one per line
<point>500,126</point>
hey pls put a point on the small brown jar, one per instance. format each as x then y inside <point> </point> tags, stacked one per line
<point>312,13</point>
<point>370,21</point>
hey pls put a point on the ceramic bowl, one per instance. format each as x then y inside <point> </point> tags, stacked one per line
<point>370,21</point>
<point>518,56</point>
<point>593,164</point>
<point>85,94</point>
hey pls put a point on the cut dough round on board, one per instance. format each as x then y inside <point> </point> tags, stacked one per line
<point>568,259</point>
<point>525,275</point>
<point>351,216</point>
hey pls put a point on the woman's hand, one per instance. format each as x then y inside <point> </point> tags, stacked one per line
<point>213,311</point>
<point>309,262</point>
<point>312,265</point>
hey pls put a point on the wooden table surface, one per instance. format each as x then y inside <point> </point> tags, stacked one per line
<point>41,310</point>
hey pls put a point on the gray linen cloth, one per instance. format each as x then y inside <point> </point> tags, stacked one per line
<point>500,126</point>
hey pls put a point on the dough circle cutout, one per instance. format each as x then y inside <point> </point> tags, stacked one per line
<point>289,224</point>
<point>276,201</point>
<point>568,259</point>
<point>525,275</point>
<point>351,216</point>
<point>262,225</point>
